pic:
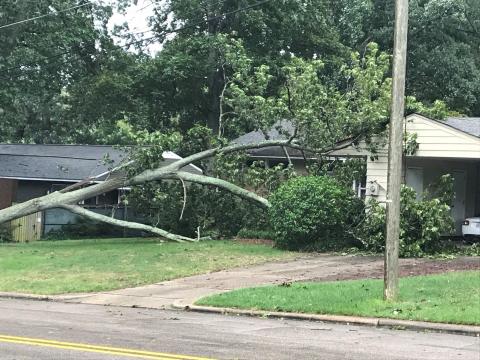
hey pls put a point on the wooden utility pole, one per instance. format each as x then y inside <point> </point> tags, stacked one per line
<point>395,150</point>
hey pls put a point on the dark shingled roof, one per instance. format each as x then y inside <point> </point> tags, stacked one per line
<point>469,125</point>
<point>281,130</point>
<point>63,162</point>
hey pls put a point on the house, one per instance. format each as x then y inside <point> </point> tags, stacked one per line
<point>450,146</point>
<point>29,171</point>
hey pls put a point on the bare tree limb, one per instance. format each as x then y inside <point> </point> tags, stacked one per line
<point>125,224</point>
<point>226,83</point>
<point>287,155</point>
<point>184,198</point>
<point>234,189</point>
<point>56,199</point>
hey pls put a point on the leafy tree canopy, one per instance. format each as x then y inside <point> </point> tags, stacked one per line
<point>40,59</point>
<point>65,81</point>
<point>443,49</point>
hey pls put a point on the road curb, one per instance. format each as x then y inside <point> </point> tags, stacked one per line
<point>467,330</point>
<point>20,296</point>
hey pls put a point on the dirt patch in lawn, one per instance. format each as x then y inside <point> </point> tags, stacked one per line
<point>408,267</point>
<point>256,241</point>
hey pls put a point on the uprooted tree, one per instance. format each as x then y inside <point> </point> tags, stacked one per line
<point>325,116</point>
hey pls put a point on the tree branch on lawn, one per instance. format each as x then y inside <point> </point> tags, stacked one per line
<point>76,209</point>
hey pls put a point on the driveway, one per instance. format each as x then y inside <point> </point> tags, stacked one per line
<point>185,291</point>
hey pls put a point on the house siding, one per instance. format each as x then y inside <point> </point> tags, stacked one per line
<point>8,189</point>
<point>377,172</point>
<point>435,140</point>
<point>441,141</point>
<point>477,186</point>
<point>28,190</point>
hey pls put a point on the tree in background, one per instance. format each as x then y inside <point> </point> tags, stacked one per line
<point>189,74</point>
<point>443,49</point>
<point>65,81</point>
<point>41,59</point>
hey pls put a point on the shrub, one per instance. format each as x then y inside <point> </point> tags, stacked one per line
<point>422,223</point>
<point>85,228</point>
<point>218,213</point>
<point>312,213</point>
<point>5,233</point>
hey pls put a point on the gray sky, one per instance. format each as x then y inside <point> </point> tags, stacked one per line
<point>136,17</point>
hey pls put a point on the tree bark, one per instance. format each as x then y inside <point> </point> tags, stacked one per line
<point>125,224</point>
<point>234,189</point>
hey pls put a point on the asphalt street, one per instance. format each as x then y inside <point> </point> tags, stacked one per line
<point>48,330</point>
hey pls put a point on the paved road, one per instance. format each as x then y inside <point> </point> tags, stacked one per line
<point>170,335</point>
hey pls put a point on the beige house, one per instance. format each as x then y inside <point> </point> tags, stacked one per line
<point>450,146</point>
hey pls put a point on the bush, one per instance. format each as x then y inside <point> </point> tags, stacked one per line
<point>85,228</point>
<point>312,213</point>
<point>5,233</point>
<point>218,213</point>
<point>422,223</point>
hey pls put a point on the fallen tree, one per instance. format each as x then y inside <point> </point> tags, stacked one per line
<point>70,197</point>
<point>322,116</point>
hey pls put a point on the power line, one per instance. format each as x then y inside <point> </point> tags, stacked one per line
<point>44,15</point>
<point>145,6</point>
<point>152,2</point>
<point>166,32</point>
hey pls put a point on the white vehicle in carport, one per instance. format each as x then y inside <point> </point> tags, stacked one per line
<point>471,228</point>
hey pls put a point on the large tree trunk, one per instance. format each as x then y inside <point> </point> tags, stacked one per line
<point>215,90</point>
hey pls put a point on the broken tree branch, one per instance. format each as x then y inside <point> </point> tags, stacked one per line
<point>287,155</point>
<point>234,189</point>
<point>184,198</point>
<point>125,224</point>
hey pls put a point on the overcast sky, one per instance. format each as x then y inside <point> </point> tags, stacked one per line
<point>137,19</point>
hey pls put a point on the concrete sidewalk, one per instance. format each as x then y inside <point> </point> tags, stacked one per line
<point>313,267</point>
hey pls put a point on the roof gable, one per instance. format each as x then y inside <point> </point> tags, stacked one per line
<point>438,139</point>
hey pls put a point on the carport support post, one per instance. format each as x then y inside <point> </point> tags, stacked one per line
<point>395,150</point>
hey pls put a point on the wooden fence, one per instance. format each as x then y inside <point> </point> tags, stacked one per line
<point>27,228</point>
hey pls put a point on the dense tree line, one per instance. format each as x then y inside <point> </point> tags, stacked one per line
<point>63,79</point>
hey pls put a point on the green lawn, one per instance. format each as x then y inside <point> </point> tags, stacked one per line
<point>55,267</point>
<point>450,298</point>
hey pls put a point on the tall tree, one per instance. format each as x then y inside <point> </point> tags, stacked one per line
<point>39,59</point>
<point>192,66</point>
<point>443,49</point>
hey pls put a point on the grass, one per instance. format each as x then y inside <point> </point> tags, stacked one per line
<point>449,298</point>
<point>72,266</point>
